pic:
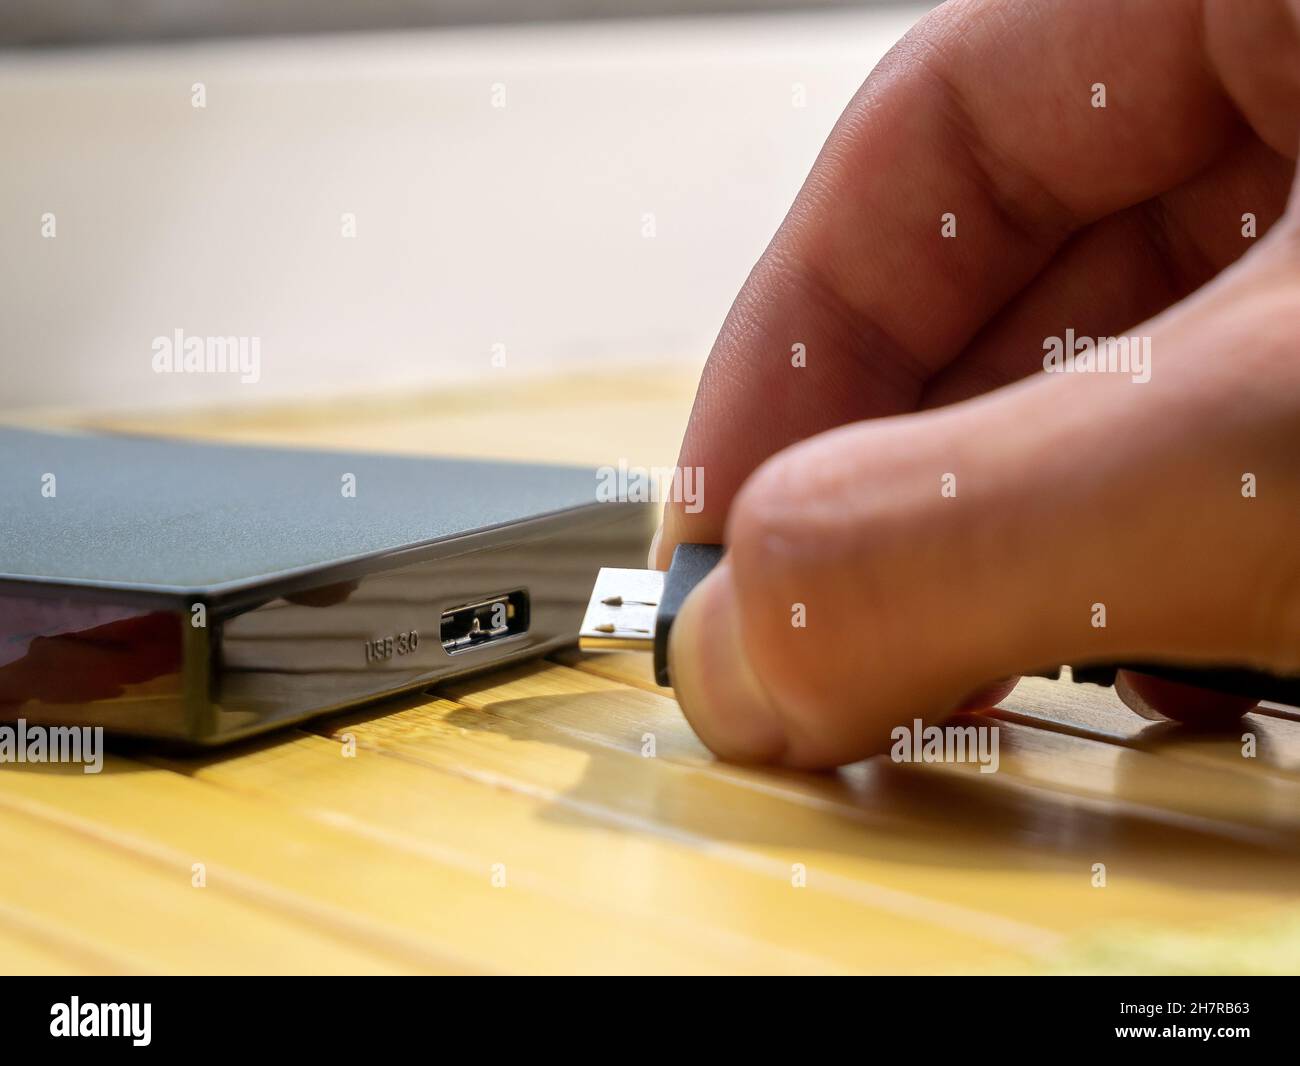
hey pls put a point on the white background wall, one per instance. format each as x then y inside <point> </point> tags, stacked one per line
<point>475,225</point>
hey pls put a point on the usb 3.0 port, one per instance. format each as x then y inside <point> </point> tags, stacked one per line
<point>485,621</point>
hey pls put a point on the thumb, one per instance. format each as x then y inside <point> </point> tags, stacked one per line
<point>885,570</point>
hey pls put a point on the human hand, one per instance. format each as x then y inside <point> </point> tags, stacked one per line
<point>1071,490</point>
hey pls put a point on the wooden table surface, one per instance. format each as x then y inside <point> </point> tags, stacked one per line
<point>514,823</point>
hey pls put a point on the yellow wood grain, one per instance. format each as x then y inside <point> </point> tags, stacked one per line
<point>561,816</point>
<point>29,952</point>
<point>112,910</point>
<point>407,787</point>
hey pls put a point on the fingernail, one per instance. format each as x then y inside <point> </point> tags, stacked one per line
<point>714,681</point>
<point>652,556</point>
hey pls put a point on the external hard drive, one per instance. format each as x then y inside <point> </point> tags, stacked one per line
<point>201,593</point>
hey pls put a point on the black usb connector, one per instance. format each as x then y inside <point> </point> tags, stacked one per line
<point>635,610</point>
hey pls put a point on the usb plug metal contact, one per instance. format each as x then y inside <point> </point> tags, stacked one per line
<point>635,609</point>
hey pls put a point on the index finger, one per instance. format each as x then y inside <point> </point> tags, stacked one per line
<point>983,115</point>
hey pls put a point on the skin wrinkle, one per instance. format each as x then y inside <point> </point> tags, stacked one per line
<point>816,258</point>
<point>1009,347</point>
<point>903,372</point>
<point>1044,228</point>
<point>1156,222</point>
<point>979,366</point>
<point>1248,172</point>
